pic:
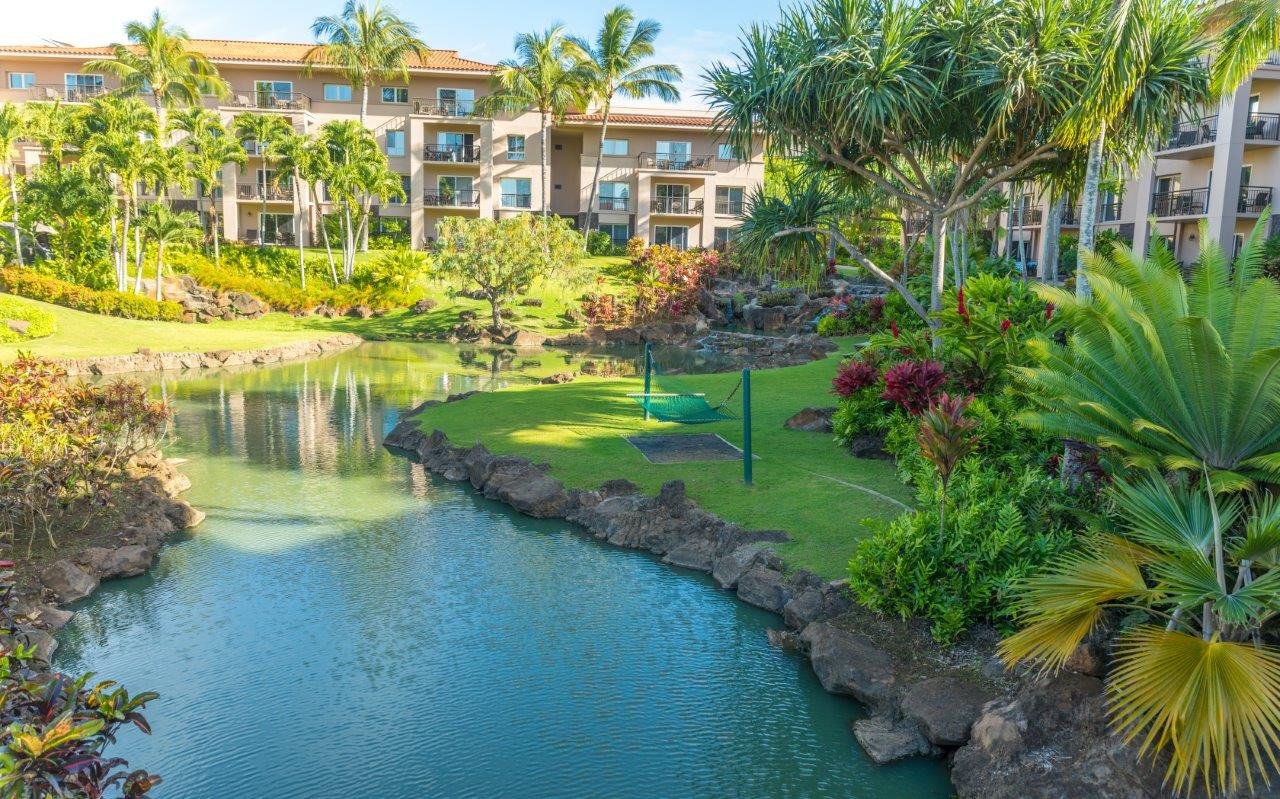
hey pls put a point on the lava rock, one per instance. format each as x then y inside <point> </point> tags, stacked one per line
<point>945,707</point>
<point>68,581</point>
<point>813,420</point>
<point>885,740</point>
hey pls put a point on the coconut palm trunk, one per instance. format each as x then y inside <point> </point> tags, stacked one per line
<point>297,226</point>
<point>324,231</point>
<point>13,202</point>
<point>1088,206</point>
<point>215,226</point>
<point>1053,239</point>
<point>545,177</point>
<point>160,270</point>
<point>137,259</point>
<point>595,177</point>
<point>364,102</point>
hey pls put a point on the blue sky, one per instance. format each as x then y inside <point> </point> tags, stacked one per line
<point>695,32</point>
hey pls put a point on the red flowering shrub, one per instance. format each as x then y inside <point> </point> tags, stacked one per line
<point>853,376</point>
<point>913,385</point>
<point>666,284</point>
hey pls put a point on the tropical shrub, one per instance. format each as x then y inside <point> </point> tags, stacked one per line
<point>63,444</point>
<point>600,243</point>
<point>862,412</point>
<point>58,728</point>
<point>286,294</point>
<point>945,436</point>
<point>913,385</point>
<point>393,273</point>
<point>40,323</point>
<point>26,283</point>
<point>854,376</point>
<point>987,327</point>
<point>665,285</point>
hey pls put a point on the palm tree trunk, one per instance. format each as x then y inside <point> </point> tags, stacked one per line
<point>13,199</point>
<point>546,164</point>
<point>1053,239</point>
<point>595,178</point>
<point>159,270</point>
<point>297,226</point>
<point>137,259</point>
<point>1088,206</point>
<point>262,189</point>
<point>939,274</point>
<point>349,247</point>
<point>217,232</point>
<point>324,231</point>
<point>122,262</point>
<point>364,102</point>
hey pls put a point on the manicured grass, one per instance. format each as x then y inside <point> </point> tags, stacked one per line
<point>804,483</point>
<point>82,335</point>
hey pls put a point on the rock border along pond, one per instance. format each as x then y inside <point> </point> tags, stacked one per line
<point>147,361</point>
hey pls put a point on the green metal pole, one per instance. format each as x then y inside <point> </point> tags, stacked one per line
<point>746,426</point>
<point>648,377</point>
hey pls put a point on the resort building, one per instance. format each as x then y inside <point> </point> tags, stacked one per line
<point>665,178</point>
<point>1221,167</point>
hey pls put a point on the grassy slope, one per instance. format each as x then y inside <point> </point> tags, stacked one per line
<point>579,427</point>
<point>81,335</point>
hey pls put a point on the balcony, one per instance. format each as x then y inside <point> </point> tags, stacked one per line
<point>271,100</point>
<point>444,108</point>
<point>1192,133</point>
<point>622,204</point>
<point>1071,216</point>
<point>66,94</point>
<point>675,205</point>
<point>729,207</point>
<point>1262,128</point>
<point>181,206</point>
<point>1110,212</point>
<point>452,199</point>
<point>257,191</point>
<point>451,153</point>
<point>1024,216</point>
<point>1183,202</point>
<point>674,162</point>
<point>517,200</point>
<point>1254,199</point>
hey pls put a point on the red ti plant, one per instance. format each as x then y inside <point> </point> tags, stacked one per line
<point>852,377</point>
<point>913,385</point>
<point>946,436</point>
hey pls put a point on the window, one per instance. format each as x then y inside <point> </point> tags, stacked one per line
<point>80,87</point>
<point>673,198</point>
<point>615,196</point>
<point>1246,174</point>
<point>614,147</point>
<point>724,235</point>
<point>22,80</point>
<point>457,102</point>
<point>517,193</point>
<point>729,200</point>
<point>405,183</point>
<point>515,148</point>
<point>276,228</point>
<point>618,233</point>
<point>395,142</point>
<point>672,235</point>
<point>272,93</point>
<point>337,93</point>
<point>454,190</point>
<point>725,152</point>
<point>395,94</point>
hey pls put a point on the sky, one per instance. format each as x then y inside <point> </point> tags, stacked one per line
<point>695,33</point>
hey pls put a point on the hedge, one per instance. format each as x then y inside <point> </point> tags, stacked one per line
<point>26,283</point>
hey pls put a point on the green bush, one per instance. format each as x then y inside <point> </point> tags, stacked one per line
<point>859,414</point>
<point>284,294</point>
<point>599,243</point>
<point>26,283</point>
<point>394,272</point>
<point>40,322</point>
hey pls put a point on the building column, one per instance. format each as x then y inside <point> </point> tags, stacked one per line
<point>1228,153</point>
<point>708,226</point>
<point>643,197</point>
<point>1141,205</point>
<point>485,186</point>
<point>230,210</point>
<point>414,142</point>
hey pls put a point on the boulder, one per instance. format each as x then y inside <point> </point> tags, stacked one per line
<point>67,581</point>
<point>783,639</point>
<point>53,618</point>
<point>126,561</point>
<point>696,553</point>
<point>764,587</point>
<point>729,568</point>
<point>183,515</point>
<point>422,306</point>
<point>359,312</point>
<point>849,663</point>
<point>558,378</point>
<point>869,445</point>
<point>804,608</point>
<point>885,740</point>
<point>531,302</point>
<point>44,643</point>
<point>526,339</point>
<point>946,707</point>
<point>534,493</point>
<point>813,420</point>
<point>19,326</point>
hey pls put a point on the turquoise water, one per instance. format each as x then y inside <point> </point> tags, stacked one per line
<point>345,625</point>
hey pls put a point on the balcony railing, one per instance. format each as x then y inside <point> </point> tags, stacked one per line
<point>1192,132</point>
<point>68,94</point>
<point>444,108</point>
<point>729,207</point>
<point>1254,199</point>
<point>613,204</point>
<point>1071,216</point>
<point>1110,212</point>
<point>1184,202</point>
<point>465,198</point>
<point>675,205</point>
<point>179,206</point>
<point>451,153</point>
<point>1026,216</point>
<point>912,225</point>
<point>674,161</point>
<point>285,101</point>
<point>256,191</point>
<point>517,200</point>
<point>1263,127</point>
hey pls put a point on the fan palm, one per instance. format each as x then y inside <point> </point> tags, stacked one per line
<point>1162,373</point>
<point>167,229</point>
<point>613,65</point>
<point>156,61</point>
<point>1197,576</point>
<point>540,77</point>
<point>366,42</point>
<point>11,127</point>
<point>266,130</point>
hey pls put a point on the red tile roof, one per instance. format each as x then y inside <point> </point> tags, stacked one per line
<point>224,50</point>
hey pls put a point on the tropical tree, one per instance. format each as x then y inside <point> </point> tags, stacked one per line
<point>164,228</point>
<point>615,65</point>
<point>355,171</point>
<point>209,152</point>
<point>1250,32</point>
<point>53,126</point>
<point>366,42</point>
<point>157,61</point>
<point>315,166</point>
<point>120,138</point>
<point>541,77</point>
<point>11,126</point>
<point>265,130</point>
<point>294,151</point>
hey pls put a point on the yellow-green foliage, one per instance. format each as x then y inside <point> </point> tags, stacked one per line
<point>26,283</point>
<point>40,323</point>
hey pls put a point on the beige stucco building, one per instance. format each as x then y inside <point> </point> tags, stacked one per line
<point>665,178</point>
<point>1221,167</point>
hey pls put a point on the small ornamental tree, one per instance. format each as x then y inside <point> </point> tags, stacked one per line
<point>501,258</point>
<point>946,436</point>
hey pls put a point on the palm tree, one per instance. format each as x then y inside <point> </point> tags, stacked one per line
<point>10,131</point>
<point>165,229</point>
<point>120,154</point>
<point>266,130</point>
<point>318,163</point>
<point>1251,33</point>
<point>352,164</point>
<point>614,65</point>
<point>156,61</point>
<point>53,126</point>
<point>540,77</point>
<point>294,151</point>
<point>366,42</point>
<point>209,149</point>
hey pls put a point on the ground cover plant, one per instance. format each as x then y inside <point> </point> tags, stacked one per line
<point>22,321</point>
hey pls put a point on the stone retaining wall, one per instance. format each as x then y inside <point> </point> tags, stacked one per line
<point>147,361</point>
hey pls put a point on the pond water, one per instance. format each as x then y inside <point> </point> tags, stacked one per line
<point>345,625</point>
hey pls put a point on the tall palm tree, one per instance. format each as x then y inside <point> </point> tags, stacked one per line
<point>209,149</point>
<point>294,151</point>
<point>353,160</point>
<point>156,61</point>
<point>266,130</point>
<point>1250,33</point>
<point>541,77</point>
<point>11,126</point>
<point>366,42</point>
<point>116,147</point>
<point>53,126</point>
<point>165,229</point>
<point>613,65</point>
<point>315,166</point>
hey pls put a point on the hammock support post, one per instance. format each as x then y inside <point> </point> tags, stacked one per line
<point>746,426</point>
<point>648,376</point>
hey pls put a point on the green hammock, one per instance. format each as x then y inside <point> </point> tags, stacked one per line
<point>684,407</point>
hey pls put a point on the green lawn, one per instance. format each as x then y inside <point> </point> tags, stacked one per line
<point>804,483</point>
